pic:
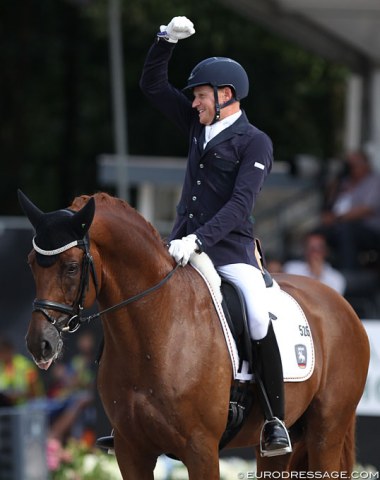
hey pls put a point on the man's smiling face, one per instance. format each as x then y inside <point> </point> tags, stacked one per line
<point>204,102</point>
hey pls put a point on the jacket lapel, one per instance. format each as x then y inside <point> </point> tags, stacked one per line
<point>201,141</point>
<point>238,127</point>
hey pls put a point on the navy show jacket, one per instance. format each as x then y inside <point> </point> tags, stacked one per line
<point>223,180</point>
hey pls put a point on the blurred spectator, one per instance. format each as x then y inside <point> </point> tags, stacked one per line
<point>59,382</point>
<point>351,220</point>
<point>69,397</point>
<point>19,376</point>
<point>273,264</point>
<point>82,368</point>
<point>65,413</point>
<point>315,264</point>
<point>83,363</point>
<point>71,394</point>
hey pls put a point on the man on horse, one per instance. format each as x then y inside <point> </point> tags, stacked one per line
<point>228,161</point>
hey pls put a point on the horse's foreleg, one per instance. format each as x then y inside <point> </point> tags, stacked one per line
<point>202,459</point>
<point>134,463</point>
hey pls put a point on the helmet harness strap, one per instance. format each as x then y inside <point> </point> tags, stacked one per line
<point>219,106</point>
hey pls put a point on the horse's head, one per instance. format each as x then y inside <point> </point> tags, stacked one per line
<point>64,275</point>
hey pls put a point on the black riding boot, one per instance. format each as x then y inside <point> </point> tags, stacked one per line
<point>268,367</point>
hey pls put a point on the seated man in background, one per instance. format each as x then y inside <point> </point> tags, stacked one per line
<point>314,264</point>
<point>351,220</point>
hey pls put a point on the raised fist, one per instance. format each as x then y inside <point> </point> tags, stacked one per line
<point>178,29</point>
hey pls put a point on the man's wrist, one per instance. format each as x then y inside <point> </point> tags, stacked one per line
<point>199,245</point>
<point>164,36</point>
<point>164,42</point>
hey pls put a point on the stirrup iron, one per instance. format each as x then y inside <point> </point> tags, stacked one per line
<point>278,451</point>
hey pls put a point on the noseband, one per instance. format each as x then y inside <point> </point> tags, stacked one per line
<point>74,312</point>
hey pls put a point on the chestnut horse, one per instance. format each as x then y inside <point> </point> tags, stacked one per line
<point>154,379</point>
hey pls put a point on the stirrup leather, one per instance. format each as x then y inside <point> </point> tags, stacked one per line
<point>278,451</point>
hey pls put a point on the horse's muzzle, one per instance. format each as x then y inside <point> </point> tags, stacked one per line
<point>44,343</point>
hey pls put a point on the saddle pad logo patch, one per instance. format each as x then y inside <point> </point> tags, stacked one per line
<point>301,355</point>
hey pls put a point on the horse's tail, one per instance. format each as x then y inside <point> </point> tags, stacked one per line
<point>349,449</point>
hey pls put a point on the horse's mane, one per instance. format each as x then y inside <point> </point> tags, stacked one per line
<point>118,206</point>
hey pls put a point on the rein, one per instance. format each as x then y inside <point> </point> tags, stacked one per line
<point>75,311</point>
<point>131,299</point>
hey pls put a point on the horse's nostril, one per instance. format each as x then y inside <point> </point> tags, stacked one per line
<point>46,349</point>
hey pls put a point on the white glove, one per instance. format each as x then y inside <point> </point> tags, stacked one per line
<point>181,250</point>
<point>178,29</point>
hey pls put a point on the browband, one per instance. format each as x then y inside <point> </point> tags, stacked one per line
<point>57,251</point>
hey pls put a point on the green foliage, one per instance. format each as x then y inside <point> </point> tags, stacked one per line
<point>56,108</point>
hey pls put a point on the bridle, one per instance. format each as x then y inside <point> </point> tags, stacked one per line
<point>75,311</point>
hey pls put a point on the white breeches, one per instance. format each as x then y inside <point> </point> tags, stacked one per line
<point>252,285</point>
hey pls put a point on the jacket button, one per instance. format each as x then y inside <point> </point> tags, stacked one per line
<point>191,215</point>
<point>194,198</point>
<point>201,165</point>
<point>198,182</point>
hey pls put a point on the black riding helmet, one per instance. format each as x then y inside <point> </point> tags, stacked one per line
<point>220,72</point>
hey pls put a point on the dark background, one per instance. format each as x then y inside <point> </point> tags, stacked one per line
<point>55,90</point>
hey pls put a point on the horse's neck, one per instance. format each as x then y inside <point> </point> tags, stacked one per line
<point>132,261</point>
<point>141,325</point>
<point>128,275</point>
<point>142,336</point>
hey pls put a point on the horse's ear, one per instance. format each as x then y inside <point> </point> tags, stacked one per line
<point>83,218</point>
<point>33,213</point>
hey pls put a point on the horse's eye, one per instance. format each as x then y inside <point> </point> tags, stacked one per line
<point>72,269</point>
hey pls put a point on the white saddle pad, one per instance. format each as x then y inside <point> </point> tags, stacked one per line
<point>292,331</point>
<point>293,335</point>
